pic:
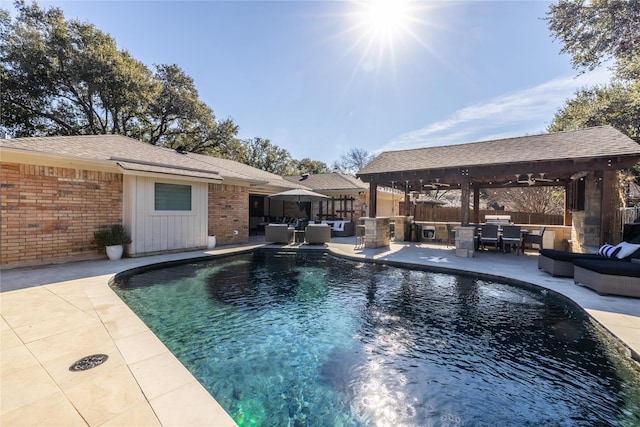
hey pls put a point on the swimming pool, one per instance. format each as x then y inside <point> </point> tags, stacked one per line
<point>309,339</point>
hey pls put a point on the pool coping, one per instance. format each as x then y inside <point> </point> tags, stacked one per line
<point>176,398</point>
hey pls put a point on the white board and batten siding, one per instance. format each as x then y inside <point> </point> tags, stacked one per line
<point>156,231</point>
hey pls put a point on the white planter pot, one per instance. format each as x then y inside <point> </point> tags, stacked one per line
<point>211,242</point>
<point>115,252</point>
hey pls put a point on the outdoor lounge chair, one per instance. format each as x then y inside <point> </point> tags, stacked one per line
<point>560,263</point>
<point>489,235</point>
<point>278,233</point>
<point>608,277</point>
<point>316,234</point>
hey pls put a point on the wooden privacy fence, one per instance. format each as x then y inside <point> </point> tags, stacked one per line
<point>453,214</point>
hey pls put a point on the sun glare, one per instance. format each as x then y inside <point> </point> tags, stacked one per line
<point>385,18</point>
<point>385,33</point>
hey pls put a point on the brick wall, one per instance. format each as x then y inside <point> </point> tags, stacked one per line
<point>228,212</point>
<point>49,214</point>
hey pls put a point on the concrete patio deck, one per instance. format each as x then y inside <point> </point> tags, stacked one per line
<point>57,314</point>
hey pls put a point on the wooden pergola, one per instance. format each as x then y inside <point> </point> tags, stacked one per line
<point>554,159</point>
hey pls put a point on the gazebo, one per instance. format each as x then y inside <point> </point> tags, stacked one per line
<point>584,162</point>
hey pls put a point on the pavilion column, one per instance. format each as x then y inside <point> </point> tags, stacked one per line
<point>376,230</point>
<point>466,190</point>
<point>609,202</point>
<point>567,214</point>
<point>373,198</point>
<point>476,205</point>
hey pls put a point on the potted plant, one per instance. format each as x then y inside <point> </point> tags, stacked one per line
<point>111,240</point>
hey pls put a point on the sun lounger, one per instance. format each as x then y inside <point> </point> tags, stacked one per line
<point>560,263</point>
<point>608,277</point>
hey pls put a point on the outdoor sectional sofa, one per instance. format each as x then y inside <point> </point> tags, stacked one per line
<point>608,277</point>
<point>341,228</point>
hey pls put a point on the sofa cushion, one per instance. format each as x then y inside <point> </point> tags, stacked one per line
<point>610,267</point>
<point>625,249</point>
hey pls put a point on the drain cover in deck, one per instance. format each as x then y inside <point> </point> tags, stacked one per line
<point>88,362</point>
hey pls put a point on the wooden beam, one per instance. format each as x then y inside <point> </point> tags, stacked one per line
<point>567,214</point>
<point>475,218</point>
<point>466,190</point>
<point>373,199</point>
<point>407,200</point>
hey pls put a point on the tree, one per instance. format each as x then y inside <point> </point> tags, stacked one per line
<point>594,33</point>
<point>177,117</point>
<point>263,155</point>
<point>67,78</point>
<point>354,160</point>
<point>546,200</point>
<point>309,166</point>
<point>617,105</point>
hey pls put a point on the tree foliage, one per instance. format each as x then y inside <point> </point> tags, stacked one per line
<point>261,154</point>
<point>617,105</point>
<point>309,166</point>
<point>65,77</point>
<point>595,31</point>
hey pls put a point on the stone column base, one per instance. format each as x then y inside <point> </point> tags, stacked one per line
<point>376,232</point>
<point>400,222</point>
<point>465,242</point>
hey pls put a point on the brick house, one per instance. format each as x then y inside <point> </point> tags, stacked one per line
<point>56,191</point>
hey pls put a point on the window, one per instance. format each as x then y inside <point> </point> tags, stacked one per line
<point>172,197</point>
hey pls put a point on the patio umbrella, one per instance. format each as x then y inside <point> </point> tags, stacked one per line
<point>299,195</point>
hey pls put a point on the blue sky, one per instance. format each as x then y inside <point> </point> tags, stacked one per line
<point>320,77</point>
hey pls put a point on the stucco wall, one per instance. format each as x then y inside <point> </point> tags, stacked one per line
<point>229,213</point>
<point>49,214</point>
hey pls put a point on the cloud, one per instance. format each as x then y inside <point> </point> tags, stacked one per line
<point>519,113</point>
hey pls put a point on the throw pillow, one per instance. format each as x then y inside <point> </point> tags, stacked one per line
<point>608,251</point>
<point>625,249</point>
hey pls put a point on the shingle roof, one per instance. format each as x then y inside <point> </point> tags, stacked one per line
<point>579,144</point>
<point>131,154</point>
<point>330,182</point>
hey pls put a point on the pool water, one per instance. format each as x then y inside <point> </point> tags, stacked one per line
<point>307,339</point>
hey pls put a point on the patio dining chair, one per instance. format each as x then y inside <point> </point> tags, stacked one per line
<point>533,239</point>
<point>489,235</point>
<point>451,234</point>
<point>511,237</point>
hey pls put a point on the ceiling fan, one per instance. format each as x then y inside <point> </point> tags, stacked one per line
<point>436,184</point>
<point>531,179</point>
